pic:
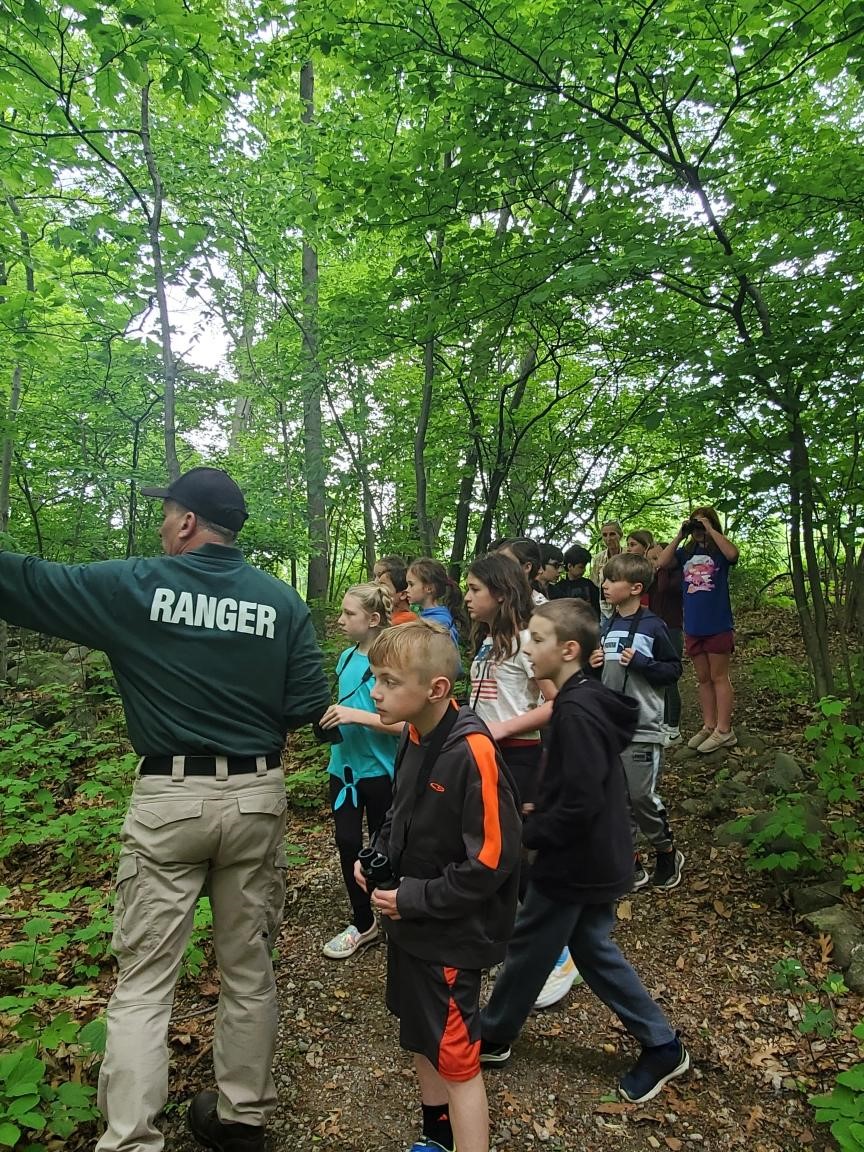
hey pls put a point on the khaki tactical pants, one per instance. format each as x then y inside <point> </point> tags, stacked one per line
<point>180,833</point>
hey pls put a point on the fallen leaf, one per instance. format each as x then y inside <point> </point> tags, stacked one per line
<point>625,910</point>
<point>826,944</point>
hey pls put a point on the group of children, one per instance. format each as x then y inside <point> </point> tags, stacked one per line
<point>515,799</point>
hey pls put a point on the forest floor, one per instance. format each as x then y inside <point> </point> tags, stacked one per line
<point>707,951</point>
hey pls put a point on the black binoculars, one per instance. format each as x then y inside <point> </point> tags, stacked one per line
<point>375,866</point>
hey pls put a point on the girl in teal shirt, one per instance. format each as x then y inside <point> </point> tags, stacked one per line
<point>361,766</point>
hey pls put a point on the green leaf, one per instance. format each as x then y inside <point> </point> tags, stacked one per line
<point>853,1078</point>
<point>9,1134</point>
<point>74,1095</point>
<point>33,13</point>
<point>93,1034</point>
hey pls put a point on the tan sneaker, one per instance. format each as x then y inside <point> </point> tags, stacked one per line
<point>718,739</point>
<point>700,737</point>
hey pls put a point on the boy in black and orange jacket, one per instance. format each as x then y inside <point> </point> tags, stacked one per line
<point>452,837</point>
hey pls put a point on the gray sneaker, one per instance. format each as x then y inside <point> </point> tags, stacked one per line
<point>640,877</point>
<point>667,871</point>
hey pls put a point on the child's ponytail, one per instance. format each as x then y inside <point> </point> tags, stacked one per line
<point>447,591</point>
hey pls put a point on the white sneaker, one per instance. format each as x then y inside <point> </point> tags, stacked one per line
<point>346,943</point>
<point>559,981</point>
<point>672,735</point>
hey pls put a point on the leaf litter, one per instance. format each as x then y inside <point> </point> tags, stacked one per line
<point>705,950</point>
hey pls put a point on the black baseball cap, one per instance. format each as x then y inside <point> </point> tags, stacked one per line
<point>208,492</point>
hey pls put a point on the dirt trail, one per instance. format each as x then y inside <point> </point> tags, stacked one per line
<point>706,951</point>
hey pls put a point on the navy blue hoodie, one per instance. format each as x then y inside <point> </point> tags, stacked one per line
<point>581,826</point>
<point>655,664</point>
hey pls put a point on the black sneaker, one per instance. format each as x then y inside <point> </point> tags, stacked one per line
<point>667,873</point>
<point>654,1068</point>
<point>640,876</point>
<point>209,1130</point>
<point>494,1053</point>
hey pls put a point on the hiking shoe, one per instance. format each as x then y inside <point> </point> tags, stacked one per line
<point>424,1143</point>
<point>671,736</point>
<point>667,871</point>
<point>211,1132</point>
<point>559,981</point>
<point>716,740</point>
<point>654,1068</point>
<point>640,876</point>
<point>700,737</point>
<point>346,943</point>
<point>496,1054</point>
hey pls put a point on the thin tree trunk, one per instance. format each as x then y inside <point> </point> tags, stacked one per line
<point>154,223</point>
<point>424,532</point>
<point>802,586</point>
<point>31,508</point>
<point>289,485</point>
<point>313,439</point>
<point>463,513</point>
<point>855,601</point>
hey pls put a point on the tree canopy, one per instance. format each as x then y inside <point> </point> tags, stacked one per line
<point>482,268</point>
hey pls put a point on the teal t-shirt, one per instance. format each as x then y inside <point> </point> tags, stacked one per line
<point>364,751</point>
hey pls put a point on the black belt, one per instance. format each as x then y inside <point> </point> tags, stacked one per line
<point>206,765</point>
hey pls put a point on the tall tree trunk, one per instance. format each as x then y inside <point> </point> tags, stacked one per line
<point>313,439</point>
<point>463,513</point>
<point>855,601</point>
<point>507,446</point>
<point>289,484</point>
<point>154,224</point>
<point>11,413</point>
<point>424,530</point>
<point>806,581</point>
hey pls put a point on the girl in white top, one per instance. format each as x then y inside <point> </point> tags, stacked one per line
<point>505,694</point>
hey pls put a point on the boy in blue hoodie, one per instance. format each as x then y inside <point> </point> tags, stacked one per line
<point>638,658</point>
<point>580,832</point>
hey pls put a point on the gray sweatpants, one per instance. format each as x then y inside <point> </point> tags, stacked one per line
<point>642,766</point>
<point>542,929</point>
<point>179,834</point>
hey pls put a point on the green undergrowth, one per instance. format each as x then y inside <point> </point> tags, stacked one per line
<point>66,772</point>
<point>63,791</point>
<point>821,827</point>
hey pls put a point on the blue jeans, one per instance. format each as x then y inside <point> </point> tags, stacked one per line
<point>542,929</point>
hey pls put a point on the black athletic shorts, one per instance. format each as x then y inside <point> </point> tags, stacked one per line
<point>438,1010</point>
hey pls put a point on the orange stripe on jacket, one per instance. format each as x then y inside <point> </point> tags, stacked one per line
<point>483,751</point>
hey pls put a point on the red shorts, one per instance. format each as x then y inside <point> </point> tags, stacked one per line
<point>720,644</point>
<point>438,1010</point>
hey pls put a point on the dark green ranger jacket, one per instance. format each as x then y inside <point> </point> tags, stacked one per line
<point>211,655</point>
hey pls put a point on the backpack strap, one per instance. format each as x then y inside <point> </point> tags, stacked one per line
<point>437,739</point>
<point>631,635</point>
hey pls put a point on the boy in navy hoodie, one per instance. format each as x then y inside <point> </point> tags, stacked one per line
<point>581,833</point>
<point>452,837</point>
<point>638,658</point>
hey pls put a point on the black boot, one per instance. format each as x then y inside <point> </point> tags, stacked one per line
<point>209,1130</point>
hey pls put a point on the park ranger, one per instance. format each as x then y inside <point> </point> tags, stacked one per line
<point>215,662</point>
